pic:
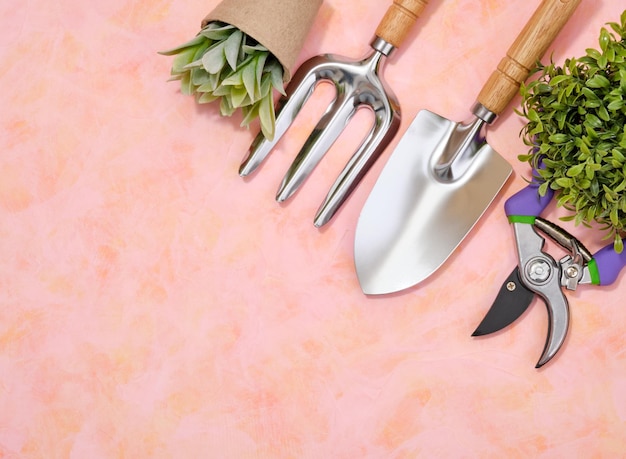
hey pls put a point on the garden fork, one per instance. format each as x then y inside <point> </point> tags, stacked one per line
<point>358,83</point>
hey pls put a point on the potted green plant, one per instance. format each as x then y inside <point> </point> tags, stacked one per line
<point>224,64</point>
<point>244,52</point>
<point>576,127</point>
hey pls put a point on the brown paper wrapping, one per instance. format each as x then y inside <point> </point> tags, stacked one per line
<point>279,25</point>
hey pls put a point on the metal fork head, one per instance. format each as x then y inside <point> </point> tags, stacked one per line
<point>358,83</point>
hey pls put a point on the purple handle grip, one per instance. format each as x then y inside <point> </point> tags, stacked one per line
<point>527,202</point>
<point>609,263</point>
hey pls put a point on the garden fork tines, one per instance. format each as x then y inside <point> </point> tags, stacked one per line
<point>358,83</point>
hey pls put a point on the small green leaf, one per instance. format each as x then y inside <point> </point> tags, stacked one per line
<point>564,182</point>
<point>186,86</point>
<point>593,53</point>
<point>217,31</point>
<point>199,77</point>
<point>197,40</point>
<point>260,66</point>
<point>276,77</point>
<point>223,90</point>
<point>593,122</point>
<point>557,80</point>
<point>240,97</point>
<point>226,109</point>
<point>248,76</point>
<point>598,81</point>
<point>211,84</point>
<point>533,116</point>
<point>614,216</point>
<point>538,129</point>
<point>206,97</point>
<point>233,79</point>
<point>231,48</point>
<point>558,138</point>
<point>253,49</point>
<point>605,39</point>
<point>266,116</point>
<point>576,170</point>
<point>618,244</point>
<point>214,59</point>
<point>250,113</point>
<point>603,113</point>
<point>181,60</point>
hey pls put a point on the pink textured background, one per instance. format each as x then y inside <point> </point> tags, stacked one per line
<point>154,304</point>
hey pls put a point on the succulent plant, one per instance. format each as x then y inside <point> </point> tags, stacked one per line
<point>224,64</point>
<point>576,126</point>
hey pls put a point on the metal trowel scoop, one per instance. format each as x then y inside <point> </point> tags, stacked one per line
<point>443,175</point>
<point>359,84</point>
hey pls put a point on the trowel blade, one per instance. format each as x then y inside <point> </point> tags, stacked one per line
<point>412,221</point>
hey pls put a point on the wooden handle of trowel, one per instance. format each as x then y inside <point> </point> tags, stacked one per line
<point>399,19</point>
<point>528,48</point>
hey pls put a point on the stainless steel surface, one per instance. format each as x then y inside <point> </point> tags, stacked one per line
<point>482,112</point>
<point>459,151</point>
<point>426,200</point>
<point>563,238</point>
<point>358,84</point>
<point>382,46</point>
<point>574,268</point>
<point>540,273</point>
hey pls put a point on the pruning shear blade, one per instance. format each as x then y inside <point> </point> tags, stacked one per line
<point>538,273</point>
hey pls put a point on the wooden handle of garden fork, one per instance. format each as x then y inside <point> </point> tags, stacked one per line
<point>399,19</point>
<point>528,48</point>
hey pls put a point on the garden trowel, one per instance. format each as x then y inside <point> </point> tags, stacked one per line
<point>443,175</point>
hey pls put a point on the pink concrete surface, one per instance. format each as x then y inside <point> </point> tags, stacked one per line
<point>156,305</point>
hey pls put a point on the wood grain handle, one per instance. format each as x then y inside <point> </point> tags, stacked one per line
<point>399,19</point>
<point>522,56</point>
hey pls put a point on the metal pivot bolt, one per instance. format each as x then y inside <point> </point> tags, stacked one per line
<point>538,270</point>
<point>572,272</point>
<point>511,286</point>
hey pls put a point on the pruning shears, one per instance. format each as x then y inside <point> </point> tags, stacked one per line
<point>538,273</point>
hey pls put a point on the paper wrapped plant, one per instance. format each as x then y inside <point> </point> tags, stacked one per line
<point>245,51</point>
<point>577,128</point>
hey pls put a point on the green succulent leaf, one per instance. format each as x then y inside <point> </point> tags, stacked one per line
<point>248,77</point>
<point>250,113</point>
<point>239,97</point>
<point>252,49</point>
<point>185,56</point>
<point>226,108</point>
<point>197,40</point>
<point>232,46</point>
<point>216,31</point>
<point>266,109</point>
<point>214,59</point>
<point>206,97</point>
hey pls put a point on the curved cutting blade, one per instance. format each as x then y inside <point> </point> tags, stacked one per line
<point>511,302</point>
<point>558,323</point>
